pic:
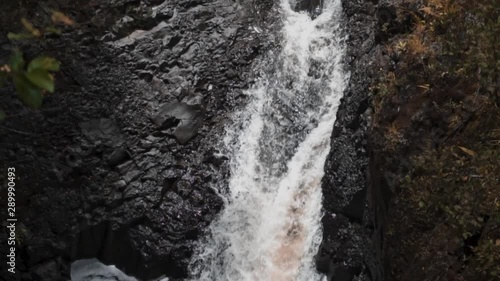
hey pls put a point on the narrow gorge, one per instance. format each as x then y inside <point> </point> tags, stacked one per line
<point>250,140</point>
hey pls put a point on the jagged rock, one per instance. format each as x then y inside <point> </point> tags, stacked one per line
<point>118,156</point>
<point>170,41</point>
<point>108,37</point>
<point>38,253</point>
<point>123,25</point>
<point>313,7</point>
<point>163,14</point>
<point>187,119</point>
<point>132,175</point>
<point>142,64</point>
<point>48,271</point>
<point>125,167</point>
<point>84,270</point>
<point>356,208</point>
<point>146,75</point>
<point>348,220</point>
<point>215,160</point>
<point>101,130</point>
<point>132,38</point>
<point>121,184</point>
<point>344,273</point>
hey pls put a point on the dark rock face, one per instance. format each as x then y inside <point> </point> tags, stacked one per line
<point>313,7</point>
<point>97,178</point>
<point>80,271</point>
<point>352,245</point>
<point>186,119</point>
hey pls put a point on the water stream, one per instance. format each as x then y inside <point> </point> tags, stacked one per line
<point>270,226</point>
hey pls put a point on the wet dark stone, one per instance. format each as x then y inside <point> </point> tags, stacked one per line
<point>35,254</point>
<point>350,242</point>
<point>124,26</point>
<point>183,188</point>
<point>170,42</point>
<point>131,175</point>
<point>125,167</point>
<point>187,119</point>
<point>313,7</point>
<point>146,75</point>
<point>164,14</point>
<point>103,129</point>
<point>118,156</point>
<point>386,15</point>
<point>142,64</point>
<point>217,161</point>
<point>344,273</point>
<point>121,184</point>
<point>357,206</point>
<point>112,246</point>
<point>47,271</point>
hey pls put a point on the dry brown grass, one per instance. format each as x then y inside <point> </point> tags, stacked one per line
<point>393,136</point>
<point>439,8</point>
<point>443,84</point>
<point>417,44</point>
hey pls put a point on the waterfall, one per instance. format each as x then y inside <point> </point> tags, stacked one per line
<point>269,229</point>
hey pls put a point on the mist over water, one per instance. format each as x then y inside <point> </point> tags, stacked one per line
<point>269,229</point>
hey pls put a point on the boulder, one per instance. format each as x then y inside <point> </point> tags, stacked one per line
<point>186,118</point>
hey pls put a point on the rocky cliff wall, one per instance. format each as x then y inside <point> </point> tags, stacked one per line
<point>355,203</point>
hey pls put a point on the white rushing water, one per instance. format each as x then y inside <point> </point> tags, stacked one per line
<point>270,227</point>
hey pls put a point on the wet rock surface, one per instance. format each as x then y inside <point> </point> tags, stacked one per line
<point>118,164</point>
<point>352,246</point>
<point>185,118</point>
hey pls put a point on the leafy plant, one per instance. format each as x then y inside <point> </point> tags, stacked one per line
<point>30,31</point>
<point>33,79</point>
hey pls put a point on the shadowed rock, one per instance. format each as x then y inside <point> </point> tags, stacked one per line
<point>313,7</point>
<point>187,119</point>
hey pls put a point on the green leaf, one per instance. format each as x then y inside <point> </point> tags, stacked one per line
<point>29,93</point>
<point>58,17</point>
<point>51,29</point>
<point>19,36</point>
<point>408,179</point>
<point>17,61</point>
<point>42,79</point>
<point>2,115</point>
<point>31,28</point>
<point>45,63</point>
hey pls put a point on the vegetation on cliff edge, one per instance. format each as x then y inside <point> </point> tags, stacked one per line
<point>33,79</point>
<point>437,125</point>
